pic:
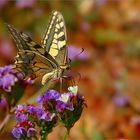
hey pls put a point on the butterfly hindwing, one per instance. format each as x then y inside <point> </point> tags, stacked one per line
<point>55,38</point>
<point>32,65</point>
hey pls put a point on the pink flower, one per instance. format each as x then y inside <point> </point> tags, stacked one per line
<point>3,3</point>
<point>25,3</point>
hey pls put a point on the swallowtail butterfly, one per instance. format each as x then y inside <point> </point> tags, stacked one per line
<point>48,60</point>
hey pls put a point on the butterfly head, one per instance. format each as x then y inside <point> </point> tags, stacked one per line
<point>65,67</point>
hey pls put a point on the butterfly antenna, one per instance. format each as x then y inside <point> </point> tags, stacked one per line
<point>68,63</point>
<point>80,52</point>
<point>69,60</point>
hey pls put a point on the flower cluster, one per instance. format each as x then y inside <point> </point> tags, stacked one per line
<point>53,108</point>
<point>28,117</point>
<point>23,4</point>
<point>9,76</point>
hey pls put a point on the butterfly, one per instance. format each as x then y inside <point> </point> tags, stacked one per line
<point>48,60</point>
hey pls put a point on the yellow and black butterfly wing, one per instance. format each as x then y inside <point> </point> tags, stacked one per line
<point>24,42</point>
<point>32,60</point>
<point>55,38</point>
<point>33,65</point>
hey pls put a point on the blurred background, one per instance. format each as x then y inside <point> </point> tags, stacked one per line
<point>109,32</point>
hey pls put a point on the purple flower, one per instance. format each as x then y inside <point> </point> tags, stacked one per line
<point>7,81</point>
<point>3,3</point>
<point>3,102</point>
<point>40,99</point>
<point>30,117</point>
<point>42,114</point>
<point>47,116</point>
<point>25,4</point>
<point>63,103</point>
<point>39,110</point>
<point>18,132</point>
<point>64,97</point>
<point>19,76</point>
<point>7,69</point>
<point>7,78</point>
<point>120,100</point>
<point>62,106</point>
<point>80,97</point>
<point>49,95</point>
<point>31,132</point>
<point>74,53</point>
<point>31,109</point>
<point>20,109</point>
<point>70,106</point>
<point>21,113</point>
<point>21,117</point>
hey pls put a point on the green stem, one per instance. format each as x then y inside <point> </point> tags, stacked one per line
<point>66,135</point>
<point>43,134</point>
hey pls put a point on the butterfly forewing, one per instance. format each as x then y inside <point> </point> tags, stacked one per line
<point>24,42</point>
<point>55,38</point>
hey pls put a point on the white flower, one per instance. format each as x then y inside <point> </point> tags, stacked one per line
<point>64,97</point>
<point>73,89</point>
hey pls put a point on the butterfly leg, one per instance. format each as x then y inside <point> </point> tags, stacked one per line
<point>60,80</point>
<point>61,84</point>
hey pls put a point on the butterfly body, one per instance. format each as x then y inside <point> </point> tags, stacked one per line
<point>48,60</point>
<point>56,73</point>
